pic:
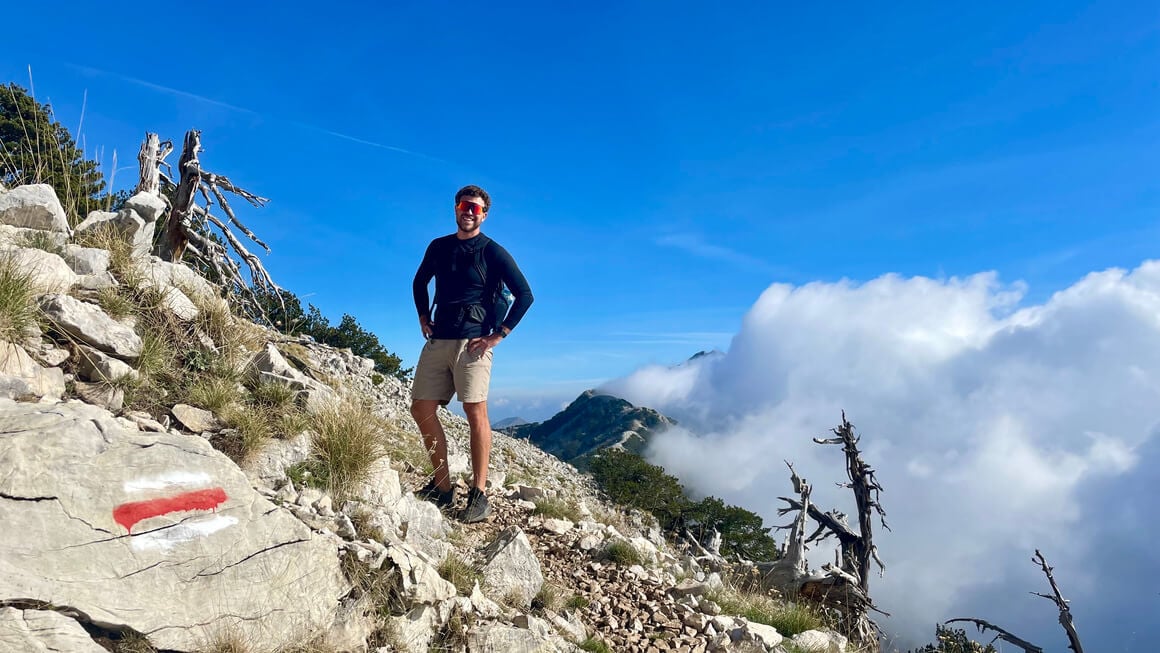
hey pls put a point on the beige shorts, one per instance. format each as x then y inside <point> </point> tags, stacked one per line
<point>446,368</point>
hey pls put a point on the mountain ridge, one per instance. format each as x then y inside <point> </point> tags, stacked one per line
<point>594,420</point>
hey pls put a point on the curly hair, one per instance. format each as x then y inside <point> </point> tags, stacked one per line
<point>474,191</point>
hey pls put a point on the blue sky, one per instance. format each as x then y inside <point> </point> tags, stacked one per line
<point>910,210</point>
<point>652,170</point>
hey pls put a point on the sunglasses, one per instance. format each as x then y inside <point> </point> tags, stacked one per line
<point>470,207</point>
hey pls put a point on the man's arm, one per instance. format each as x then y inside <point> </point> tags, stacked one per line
<point>521,290</point>
<point>419,289</point>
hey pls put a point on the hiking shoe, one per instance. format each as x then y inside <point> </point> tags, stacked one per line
<point>477,506</point>
<point>431,492</point>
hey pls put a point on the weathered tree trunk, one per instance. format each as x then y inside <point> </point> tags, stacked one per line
<point>180,218</point>
<point>149,159</point>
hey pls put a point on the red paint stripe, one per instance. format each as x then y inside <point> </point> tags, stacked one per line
<point>128,514</point>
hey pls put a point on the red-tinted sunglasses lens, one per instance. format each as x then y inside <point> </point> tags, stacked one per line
<point>469,207</point>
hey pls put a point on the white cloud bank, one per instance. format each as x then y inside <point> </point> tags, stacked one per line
<point>995,429</point>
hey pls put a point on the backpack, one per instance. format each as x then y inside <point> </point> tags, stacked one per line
<point>496,300</point>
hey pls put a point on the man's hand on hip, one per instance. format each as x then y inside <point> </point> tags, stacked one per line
<point>425,326</point>
<point>479,346</point>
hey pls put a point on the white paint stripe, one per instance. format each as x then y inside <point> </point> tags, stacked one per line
<point>167,481</point>
<point>166,539</point>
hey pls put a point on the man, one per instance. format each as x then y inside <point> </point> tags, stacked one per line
<point>467,267</point>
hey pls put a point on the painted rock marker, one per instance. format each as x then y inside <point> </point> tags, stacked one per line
<point>128,514</point>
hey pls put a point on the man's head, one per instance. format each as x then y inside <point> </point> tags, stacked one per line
<point>471,206</point>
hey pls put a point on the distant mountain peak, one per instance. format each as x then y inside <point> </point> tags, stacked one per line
<point>508,422</point>
<point>594,420</point>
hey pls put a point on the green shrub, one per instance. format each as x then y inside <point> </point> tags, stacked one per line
<point>622,553</point>
<point>594,645</point>
<point>631,481</point>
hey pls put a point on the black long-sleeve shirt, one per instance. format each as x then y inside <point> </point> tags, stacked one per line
<point>458,286</point>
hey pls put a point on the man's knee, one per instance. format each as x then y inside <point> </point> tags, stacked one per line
<point>475,410</point>
<point>422,409</point>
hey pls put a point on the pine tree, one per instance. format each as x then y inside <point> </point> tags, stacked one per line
<point>36,149</point>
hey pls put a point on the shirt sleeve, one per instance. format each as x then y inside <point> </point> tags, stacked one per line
<point>422,277</point>
<point>521,290</point>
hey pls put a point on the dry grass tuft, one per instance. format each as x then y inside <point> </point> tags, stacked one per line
<point>18,309</point>
<point>788,617</point>
<point>459,573</point>
<point>348,440</point>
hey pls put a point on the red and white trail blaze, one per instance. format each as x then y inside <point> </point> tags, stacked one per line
<point>173,493</point>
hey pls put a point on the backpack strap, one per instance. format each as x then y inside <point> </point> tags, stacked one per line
<point>480,263</point>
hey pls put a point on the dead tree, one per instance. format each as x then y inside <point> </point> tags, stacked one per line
<point>151,158</point>
<point>1065,619</point>
<point>188,235</point>
<point>1055,597</point>
<point>844,585</point>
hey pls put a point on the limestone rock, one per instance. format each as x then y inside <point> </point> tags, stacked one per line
<point>94,365</point>
<point>382,488</point>
<point>175,301</point>
<point>501,637</point>
<point>43,630</point>
<point>35,206</point>
<point>483,605</point>
<point>48,273</point>
<point>86,260</point>
<point>101,394</point>
<point>156,273</point>
<point>766,635</point>
<point>125,224</point>
<point>269,465</point>
<point>20,376</point>
<point>118,525</point>
<point>23,237</point>
<point>196,420</point>
<point>510,566</point>
<point>96,281</point>
<point>269,365</point>
<point>817,641</point>
<point>421,582</point>
<point>417,523</point>
<point>147,205</point>
<point>91,325</point>
<point>416,629</point>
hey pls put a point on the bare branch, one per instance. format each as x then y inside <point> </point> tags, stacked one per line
<point>1002,634</point>
<point>1065,618</point>
<point>233,218</point>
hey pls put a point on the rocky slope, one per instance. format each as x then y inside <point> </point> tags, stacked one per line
<point>593,421</point>
<point>176,479</point>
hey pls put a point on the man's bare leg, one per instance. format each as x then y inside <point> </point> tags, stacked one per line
<point>480,441</point>
<point>434,439</point>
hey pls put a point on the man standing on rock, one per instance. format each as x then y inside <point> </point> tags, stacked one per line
<point>468,268</point>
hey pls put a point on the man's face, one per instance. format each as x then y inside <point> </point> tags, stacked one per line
<point>469,213</point>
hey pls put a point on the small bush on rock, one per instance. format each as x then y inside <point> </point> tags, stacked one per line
<point>622,553</point>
